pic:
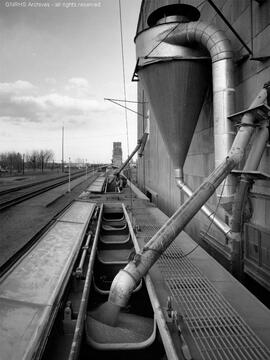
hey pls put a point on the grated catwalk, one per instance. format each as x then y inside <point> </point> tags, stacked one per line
<point>215,327</point>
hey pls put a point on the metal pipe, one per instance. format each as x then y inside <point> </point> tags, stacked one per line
<point>221,225</point>
<point>252,163</point>
<point>223,86</point>
<point>79,269</point>
<point>77,337</point>
<point>117,172</point>
<point>258,147</point>
<point>230,26</point>
<point>126,280</point>
<point>145,135</point>
<point>141,142</point>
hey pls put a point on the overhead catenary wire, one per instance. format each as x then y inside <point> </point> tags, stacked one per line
<point>125,107</point>
<point>162,40</point>
<point>127,101</point>
<point>123,71</point>
<point>125,92</point>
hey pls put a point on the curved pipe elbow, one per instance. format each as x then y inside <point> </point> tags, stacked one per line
<point>122,287</point>
<point>209,36</point>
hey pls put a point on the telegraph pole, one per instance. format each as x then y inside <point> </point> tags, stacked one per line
<point>62,148</point>
<point>69,175</point>
<point>23,164</point>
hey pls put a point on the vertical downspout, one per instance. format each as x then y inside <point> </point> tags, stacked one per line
<point>221,53</point>
<point>145,136</point>
<point>140,147</point>
<point>252,163</point>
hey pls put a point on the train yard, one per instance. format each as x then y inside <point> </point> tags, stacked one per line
<point>31,206</point>
<point>16,195</point>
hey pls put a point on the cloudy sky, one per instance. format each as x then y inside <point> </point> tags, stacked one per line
<point>57,64</point>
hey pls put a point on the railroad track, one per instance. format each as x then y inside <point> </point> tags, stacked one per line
<point>44,181</point>
<point>23,249</point>
<point>17,195</point>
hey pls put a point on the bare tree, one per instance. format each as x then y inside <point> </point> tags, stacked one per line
<point>12,161</point>
<point>33,159</point>
<point>44,157</point>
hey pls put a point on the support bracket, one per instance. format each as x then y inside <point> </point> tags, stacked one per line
<point>253,175</point>
<point>260,112</point>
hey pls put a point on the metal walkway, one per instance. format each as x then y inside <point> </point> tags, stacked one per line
<point>216,328</point>
<point>98,185</point>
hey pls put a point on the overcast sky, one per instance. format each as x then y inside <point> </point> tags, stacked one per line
<point>57,64</point>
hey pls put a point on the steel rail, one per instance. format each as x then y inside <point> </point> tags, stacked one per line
<point>78,333</point>
<point>11,202</point>
<point>27,246</point>
<point>79,270</point>
<point>22,187</point>
<point>19,253</point>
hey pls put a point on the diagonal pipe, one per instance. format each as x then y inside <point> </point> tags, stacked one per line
<point>139,147</point>
<point>126,280</point>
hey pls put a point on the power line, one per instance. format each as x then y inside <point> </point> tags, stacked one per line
<point>125,107</point>
<point>162,40</point>
<point>125,93</point>
<point>123,68</point>
<point>129,101</point>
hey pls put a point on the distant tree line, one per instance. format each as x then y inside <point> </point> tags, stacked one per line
<point>17,162</point>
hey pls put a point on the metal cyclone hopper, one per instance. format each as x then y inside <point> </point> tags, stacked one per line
<point>175,90</point>
<point>174,78</point>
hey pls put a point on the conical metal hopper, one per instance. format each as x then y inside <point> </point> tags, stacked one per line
<point>175,90</point>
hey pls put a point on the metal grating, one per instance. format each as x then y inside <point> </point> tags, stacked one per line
<point>216,328</point>
<point>148,231</point>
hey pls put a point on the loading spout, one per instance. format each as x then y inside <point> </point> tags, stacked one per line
<point>126,280</point>
<point>252,163</point>
<point>145,136</point>
<point>143,143</point>
<point>140,147</point>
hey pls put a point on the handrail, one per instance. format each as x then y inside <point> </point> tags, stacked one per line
<point>77,338</point>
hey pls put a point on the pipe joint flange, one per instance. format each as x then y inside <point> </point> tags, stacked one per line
<point>246,125</point>
<point>137,259</point>
<point>146,248</point>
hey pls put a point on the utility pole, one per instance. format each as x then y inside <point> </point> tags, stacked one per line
<point>69,174</point>
<point>23,164</point>
<point>62,148</point>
